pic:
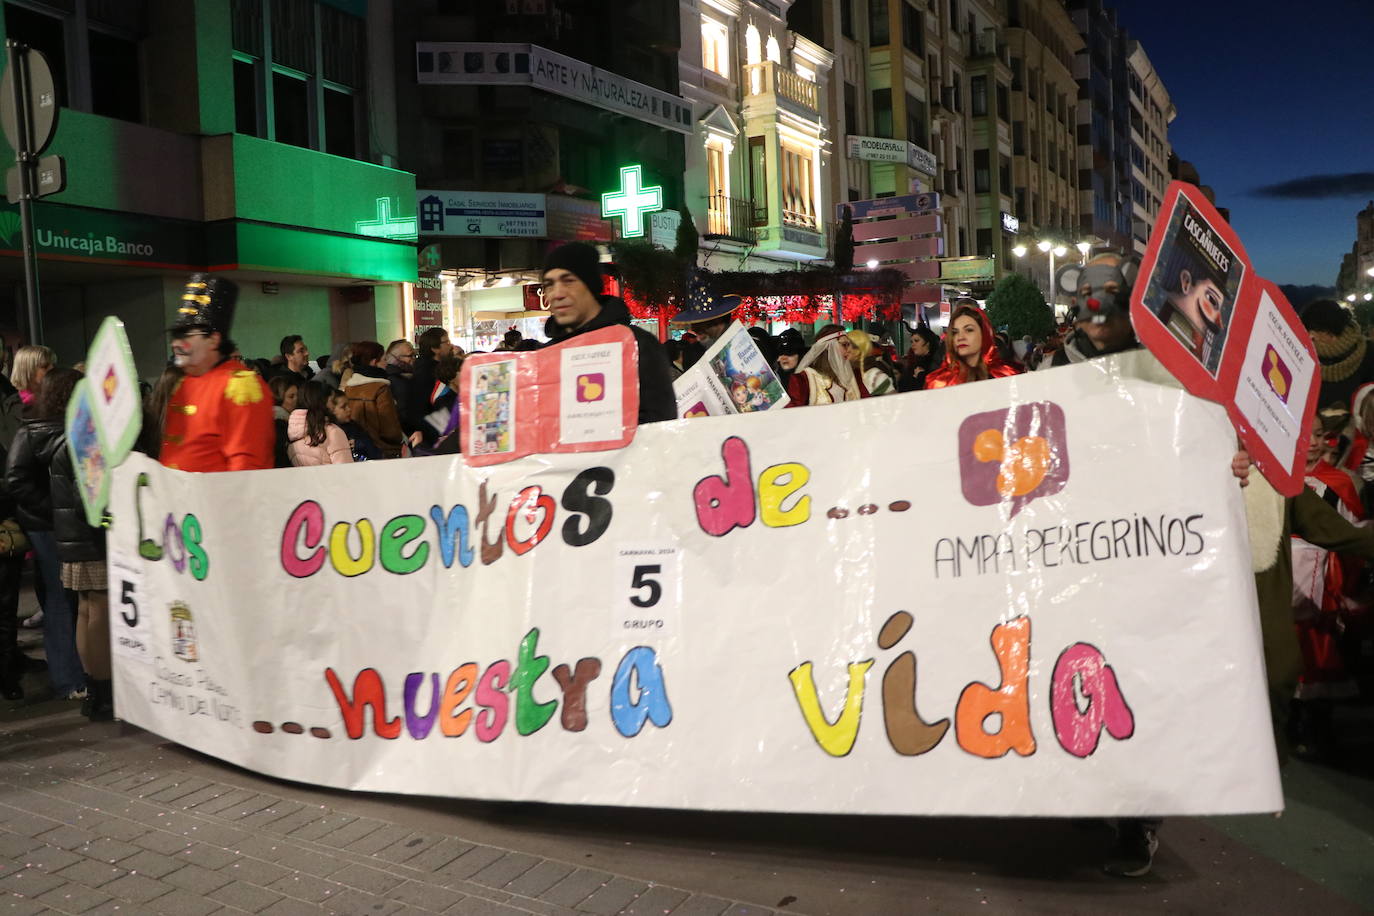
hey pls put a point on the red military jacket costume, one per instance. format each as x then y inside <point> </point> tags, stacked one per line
<point>219,421</point>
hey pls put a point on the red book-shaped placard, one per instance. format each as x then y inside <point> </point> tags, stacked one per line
<point>577,396</point>
<point>1228,334</point>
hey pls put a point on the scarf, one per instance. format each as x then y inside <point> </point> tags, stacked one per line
<point>1342,356</point>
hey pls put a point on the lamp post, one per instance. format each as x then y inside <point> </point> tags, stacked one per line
<point>1054,251</point>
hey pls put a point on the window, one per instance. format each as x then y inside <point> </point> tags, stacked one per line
<point>42,33</point>
<point>916,121</point>
<point>115,81</point>
<point>1018,138</point>
<point>851,108</point>
<point>963,241</point>
<point>715,47</point>
<point>847,18</point>
<point>340,122</point>
<point>982,171</point>
<point>1003,103</point>
<point>1004,174</point>
<point>978,85</point>
<point>956,82</point>
<point>984,243</point>
<point>877,23</point>
<point>753,46</point>
<point>912,38</point>
<point>246,99</point>
<point>718,189</point>
<point>291,109</point>
<point>959,165</point>
<point>798,203</point>
<point>309,93</point>
<point>773,50</point>
<point>758,180</point>
<point>1016,79</point>
<point>882,112</point>
<point>954,19</point>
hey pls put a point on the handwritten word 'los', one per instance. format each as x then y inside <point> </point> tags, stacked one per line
<point>528,519</point>
<point>639,694</point>
<point>1081,670</point>
<point>181,541</point>
<point>727,501</point>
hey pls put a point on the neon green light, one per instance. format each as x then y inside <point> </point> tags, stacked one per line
<point>384,227</point>
<point>632,202</point>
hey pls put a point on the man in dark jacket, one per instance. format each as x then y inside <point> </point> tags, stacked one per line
<point>572,293</point>
<point>424,389</point>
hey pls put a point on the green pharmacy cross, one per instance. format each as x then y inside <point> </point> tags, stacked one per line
<point>632,202</point>
<point>385,227</point>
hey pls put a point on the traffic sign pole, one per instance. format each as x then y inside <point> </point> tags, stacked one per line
<point>23,154</point>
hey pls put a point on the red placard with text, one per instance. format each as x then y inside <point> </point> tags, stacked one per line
<point>1228,334</point>
<point>577,396</point>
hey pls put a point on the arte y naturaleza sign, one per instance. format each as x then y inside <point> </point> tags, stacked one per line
<point>605,627</point>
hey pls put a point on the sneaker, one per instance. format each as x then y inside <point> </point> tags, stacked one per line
<point>33,621</point>
<point>1134,853</point>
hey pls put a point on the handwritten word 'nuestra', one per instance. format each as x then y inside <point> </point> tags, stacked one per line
<point>401,546</point>
<point>639,695</point>
<point>1080,671</point>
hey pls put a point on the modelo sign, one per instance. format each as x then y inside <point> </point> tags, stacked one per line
<point>883,149</point>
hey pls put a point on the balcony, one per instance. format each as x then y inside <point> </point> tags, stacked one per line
<point>797,93</point>
<point>730,218</point>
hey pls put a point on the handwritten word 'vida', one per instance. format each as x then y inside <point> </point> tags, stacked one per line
<point>181,541</point>
<point>639,694</point>
<point>1081,670</point>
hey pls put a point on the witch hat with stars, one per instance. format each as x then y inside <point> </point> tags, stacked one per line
<point>702,304</point>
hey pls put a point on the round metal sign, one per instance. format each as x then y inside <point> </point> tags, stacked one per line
<point>42,97</point>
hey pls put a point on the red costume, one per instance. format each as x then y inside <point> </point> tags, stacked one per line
<point>953,372</point>
<point>219,421</point>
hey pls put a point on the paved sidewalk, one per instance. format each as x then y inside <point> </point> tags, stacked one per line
<point>85,831</point>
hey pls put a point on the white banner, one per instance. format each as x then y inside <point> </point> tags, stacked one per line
<point>729,613</point>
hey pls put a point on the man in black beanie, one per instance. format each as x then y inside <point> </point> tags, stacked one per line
<point>572,294</point>
<point>1347,361</point>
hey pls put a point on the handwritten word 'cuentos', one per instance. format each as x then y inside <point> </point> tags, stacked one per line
<point>1081,670</point>
<point>491,690</point>
<point>401,548</point>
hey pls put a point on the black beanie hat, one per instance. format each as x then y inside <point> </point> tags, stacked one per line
<point>1326,315</point>
<point>580,259</point>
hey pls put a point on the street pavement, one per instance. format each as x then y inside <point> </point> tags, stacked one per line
<point>106,818</point>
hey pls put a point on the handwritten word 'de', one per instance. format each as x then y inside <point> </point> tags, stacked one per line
<point>727,501</point>
<point>1081,670</point>
<point>639,694</point>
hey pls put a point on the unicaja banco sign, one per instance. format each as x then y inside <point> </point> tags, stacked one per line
<point>76,233</point>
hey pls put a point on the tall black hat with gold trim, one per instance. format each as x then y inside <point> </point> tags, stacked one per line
<point>206,304</point>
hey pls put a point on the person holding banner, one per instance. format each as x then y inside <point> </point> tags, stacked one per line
<point>572,293</point>
<point>220,417</point>
<point>970,349</point>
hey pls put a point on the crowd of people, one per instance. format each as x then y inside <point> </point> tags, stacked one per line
<point>211,410</point>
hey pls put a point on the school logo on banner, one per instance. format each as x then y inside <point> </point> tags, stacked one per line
<point>1014,455</point>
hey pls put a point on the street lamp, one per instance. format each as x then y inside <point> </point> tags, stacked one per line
<point>1019,250</point>
<point>1083,249</point>
<point>1350,298</point>
<point>1370,272</point>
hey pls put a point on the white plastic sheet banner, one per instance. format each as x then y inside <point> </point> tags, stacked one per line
<point>1029,596</point>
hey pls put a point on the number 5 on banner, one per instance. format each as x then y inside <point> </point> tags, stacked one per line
<point>131,631</point>
<point>646,592</point>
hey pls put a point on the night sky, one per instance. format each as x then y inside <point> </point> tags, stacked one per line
<point>1275,109</point>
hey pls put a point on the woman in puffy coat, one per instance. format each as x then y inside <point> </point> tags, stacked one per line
<point>371,399</point>
<point>313,436</point>
<point>28,481</point>
<point>970,349</point>
<point>81,548</point>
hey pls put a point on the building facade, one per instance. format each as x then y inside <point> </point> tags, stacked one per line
<point>234,136</point>
<point>523,116</point>
<point>760,157</point>
<point>1151,113</point>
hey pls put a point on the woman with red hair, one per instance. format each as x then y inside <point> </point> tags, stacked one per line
<point>970,349</point>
